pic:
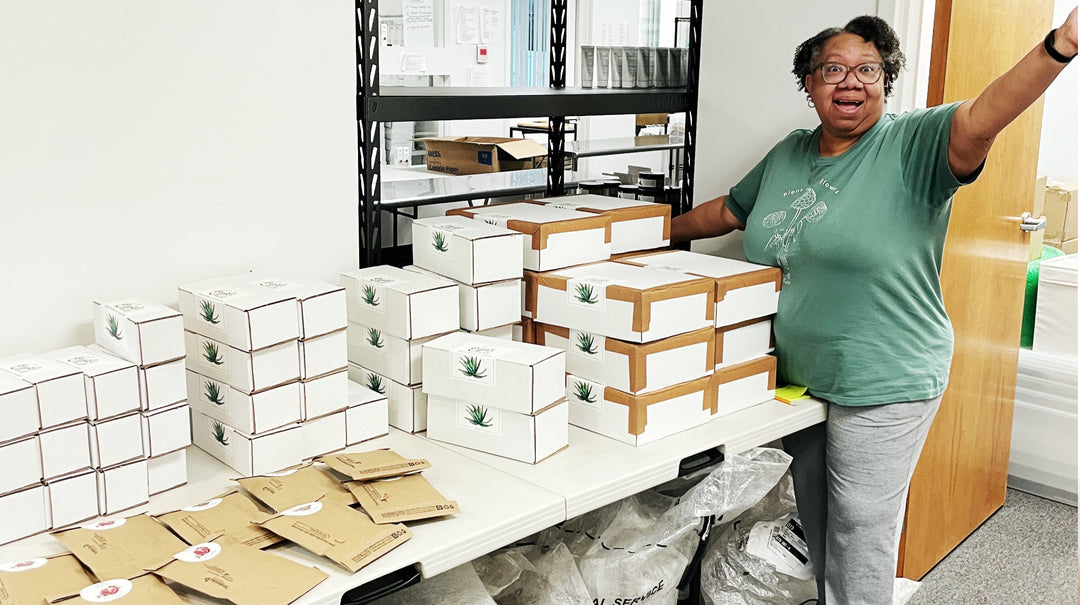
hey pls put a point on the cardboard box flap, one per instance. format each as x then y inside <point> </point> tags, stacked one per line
<point>34,580</point>
<point>374,464</point>
<point>293,487</point>
<point>35,368</point>
<point>290,285</point>
<point>729,273</point>
<point>231,514</point>
<point>229,292</point>
<point>521,149</point>
<point>143,590</point>
<point>239,574</point>
<point>400,499</point>
<point>397,279</point>
<point>10,384</point>
<point>464,227</point>
<point>498,348</point>
<point>88,361</point>
<point>137,310</point>
<point>360,394</point>
<point>120,548</point>
<point>337,532</point>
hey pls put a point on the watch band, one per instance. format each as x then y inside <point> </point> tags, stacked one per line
<point>1048,44</point>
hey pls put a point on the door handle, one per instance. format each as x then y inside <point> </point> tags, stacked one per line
<point>1029,223</point>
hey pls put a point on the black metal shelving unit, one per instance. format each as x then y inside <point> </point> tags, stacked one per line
<point>397,104</point>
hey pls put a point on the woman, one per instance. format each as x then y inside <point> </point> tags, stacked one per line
<point>855,213</point>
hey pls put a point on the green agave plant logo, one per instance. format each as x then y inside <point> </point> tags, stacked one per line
<point>584,392</point>
<point>438,241</point>
<point>374,338</point>
<point>219,433</point>
<point>112,326</point>
<point>586,343</point>
<point>212,354</point>
<point>491,221</point>
<point>472,367</point>
<point>477,415</point>
<point>586,293</point>
<point>209,312</point>
<point>368,294</point>
<point>214,393</point>
<point>375,383</point>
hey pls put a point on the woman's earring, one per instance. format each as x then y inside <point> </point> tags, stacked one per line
<point>809,102</point>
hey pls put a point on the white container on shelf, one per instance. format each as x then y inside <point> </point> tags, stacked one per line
<point>252,413</point>
<point>320,305</point>
<point>28,506</point>
<point>406,405</point>
<point>65,449</point>
<point>324,354</point>
<point>744,385</point>
<point>401,303</point>
<point>72,499</point>
<point>162,385</point>
<point>488,305</point>
<point>324,434</point>
<point>635,225</point>
<point>61,397</point>
<point>18,399</point>
<point>116,440</point>
<point>21,461</point>
<point>167,471</point>
<point>248,454</point>
<point>1055,307</point>
<point>389,355</point>
<point>139,331</point>
<point>238,314</point>
<point>166,430</point>
<point>247,371</point>
<point>367,416</point>
<point>111,383</point>
<point>467,251</point>
<point>523,437</point>
<point>744,341</point>
<point>122,487</point>
<point>324,395</point>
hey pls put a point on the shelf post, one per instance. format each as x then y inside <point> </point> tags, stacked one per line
<point>368,132</point>
<point>686,201</point>
<point>556,136</point>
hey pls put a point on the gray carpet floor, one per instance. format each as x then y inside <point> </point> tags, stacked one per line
<point>1024,554</point>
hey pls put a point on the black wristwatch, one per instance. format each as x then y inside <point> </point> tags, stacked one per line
<point>1048,44</point>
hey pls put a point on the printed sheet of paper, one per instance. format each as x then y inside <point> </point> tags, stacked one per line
<point>418,22</point>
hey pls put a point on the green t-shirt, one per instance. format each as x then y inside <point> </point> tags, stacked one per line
<point>859,237</point>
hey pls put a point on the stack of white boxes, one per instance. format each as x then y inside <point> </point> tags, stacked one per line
<point>151,336</point>
<point>392,313</point>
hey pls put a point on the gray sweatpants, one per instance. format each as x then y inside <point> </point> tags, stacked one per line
<point>851,475</point>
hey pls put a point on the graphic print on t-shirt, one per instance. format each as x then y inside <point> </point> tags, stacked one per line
<point>785,238</point>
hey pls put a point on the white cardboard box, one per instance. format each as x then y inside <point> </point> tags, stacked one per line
<point>320,305</point>
<point>632,367</point>
<point>635,224</point>
<point>61,397</point>
<point>401,303</point>
<point>122,487</point>
<point>247,371</point>
<point>324,354</point>
<point>367,416</point>
<point>485,306</point>
<point>238,314</point>
<point>72,499</point>
<point>394,357</point>
<point>744,385</point>
<point>166,471</point>
<point>141,332</point>
<point>504,332</point>
<point>23,513</point>
<point>406,406</point>
<point>639,419</point>
<point>744,341</point>
<point>166,430</point>
<point>65,449</point>
<point>1055,308</point>
<point>513,376</point>
<point>111,383</point>
<point>162,385</point>
<point>116,440</point>
<point>470,252</point>
<point>324,395</point>
<point>21,464</point>
<point>555,237</point>
<point>523,437</point>
<point>252,413</point>
<point>248,454</point>
<point>627,302</point>
<point>18,399</point>
<point>324,434</point>
<point>743,290</point>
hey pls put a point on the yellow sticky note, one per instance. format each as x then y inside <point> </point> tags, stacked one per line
<point>791,392</point>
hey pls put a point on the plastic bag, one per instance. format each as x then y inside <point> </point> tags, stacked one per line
<point>460,585</point>
<point>539,576</point>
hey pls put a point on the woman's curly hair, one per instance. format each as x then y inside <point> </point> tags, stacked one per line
<point>872,29</point>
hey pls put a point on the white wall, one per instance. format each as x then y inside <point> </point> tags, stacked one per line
<point>1058,148</point>
<point>145,143</point>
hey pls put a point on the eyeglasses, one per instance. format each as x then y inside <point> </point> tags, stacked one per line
<point>835,73</point>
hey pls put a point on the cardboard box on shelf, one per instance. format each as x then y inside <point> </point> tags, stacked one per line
<point>401,303</point>
<point>65,449</point>
<point>166,430</point>
<point>250,454</point>
<point>628,302</point>
<point>21,461</point>
<point>555,237</point>
<point>61,397</point>
<point>295,486</point>
<point>116,440</point>
<point>1060,210</point>
<point>368,414</point>
<point>320,305</point>
<point>232,514</point>
<point>324,434</point>
<point>1068,247</point>
<point>523,437</point>
<point>744,341</point>
<point>122,487</point>
<point>743,290</point>
<point>513,376</point>
<point>162,385</point>
<point>632,367</point>
<point>72,499</point>
<point>478,155</point>
<point>141,332</point>
<point>18,399</point>
<point>167,471</point>
<point>24,514</point>
<point>485,306</point>
<point>324,395</point>
<point>392,356</point>
<point>635,225</point>
<point>400,499</point>
<point>111,383</point>
<point>744,385</point>
<point>505,332</point>
<point>32,580</point>
<point>121,548</point>
<point>406,405</point>
<point>254,413</point>
<point>324,354</point>
<point>1055,331</point>
<point>247,371</point>
<point>239,314</point>
<point>142,589</point>
<point>467,251</point>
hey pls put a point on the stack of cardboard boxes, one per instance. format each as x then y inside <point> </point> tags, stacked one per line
<point>1060,209</point>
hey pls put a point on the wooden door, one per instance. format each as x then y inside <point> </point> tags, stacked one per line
<point>961,476</point>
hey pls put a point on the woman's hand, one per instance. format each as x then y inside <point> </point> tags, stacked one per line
<point>1065,37</point>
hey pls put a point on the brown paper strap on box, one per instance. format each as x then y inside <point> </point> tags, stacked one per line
<point>742,324</point>
<point>765,363</point>
<point>641,299</point>
<point>539,232</point>
<point>530,290</point>
<point>733,282</point>
<point>637,404</point>
<point>636,213</point>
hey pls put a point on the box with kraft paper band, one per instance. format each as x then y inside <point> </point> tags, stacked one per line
<point>744,341</point>
<point>635,224</point>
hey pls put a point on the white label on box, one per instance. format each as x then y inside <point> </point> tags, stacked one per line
<point>441,240</point>
<point>567,205</point>
<point>475,363</point>
<point>499,220</point>
<point>374,340</point>
<point>303,510</point>
<point>668,268</point>
<point>113,328</point>
<point>127,307</point>
<point>198,553</point>
<point>375,382</point>
<point>590,292</point>
<point>82,361</point>
<point>216,393</point>
<point>371,293</point>
<point>204,506</point>
<point>477,417</point>
<point>585,392</point>
<point>25,565</point>
<point>109,590</point>
<point>213,354</point>
<point>24,367</point>
<point>587,345</point>
<point>219,433</point>
<point>274,284</point>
